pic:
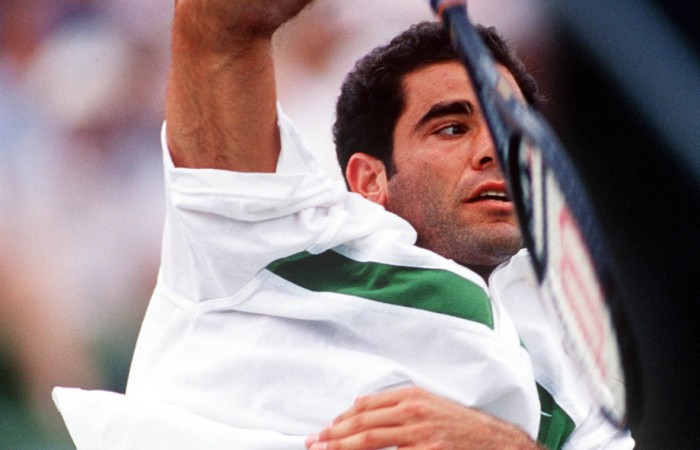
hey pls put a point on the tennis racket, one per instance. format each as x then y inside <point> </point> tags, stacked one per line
<point>559,226</point>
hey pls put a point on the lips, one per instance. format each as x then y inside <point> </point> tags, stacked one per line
<point>492,195</point>
<point>495,191</point>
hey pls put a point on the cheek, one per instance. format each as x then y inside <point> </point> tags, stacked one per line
<point>448,165</point>
<point>429,186</point>
<point>405,192</point>
<point>434,168</point>
<point>415,197</point>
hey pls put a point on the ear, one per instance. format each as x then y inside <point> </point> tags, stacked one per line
<point>366,175</point>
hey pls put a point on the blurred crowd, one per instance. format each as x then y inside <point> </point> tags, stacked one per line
<point>82,87</point>
<point>81,103</point>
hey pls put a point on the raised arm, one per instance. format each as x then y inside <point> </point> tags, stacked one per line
<point>221,101</point>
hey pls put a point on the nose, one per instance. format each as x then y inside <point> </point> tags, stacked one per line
<point>484,155</point>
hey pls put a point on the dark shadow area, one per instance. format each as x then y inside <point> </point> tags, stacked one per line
<point>648,202</point>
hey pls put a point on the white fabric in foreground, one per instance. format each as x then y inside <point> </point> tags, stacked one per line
<point>128,423</point>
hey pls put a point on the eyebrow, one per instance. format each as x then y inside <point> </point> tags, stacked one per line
<point>446,109</point>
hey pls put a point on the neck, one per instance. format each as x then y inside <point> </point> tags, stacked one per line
<point>483,271</point>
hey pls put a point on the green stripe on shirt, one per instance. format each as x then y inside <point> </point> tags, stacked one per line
<point>555,424</point>
<point>435,290</point>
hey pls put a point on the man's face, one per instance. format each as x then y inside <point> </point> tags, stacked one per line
<point>447,183</point>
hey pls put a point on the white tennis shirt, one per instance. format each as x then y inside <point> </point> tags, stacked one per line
<point>281,298</point>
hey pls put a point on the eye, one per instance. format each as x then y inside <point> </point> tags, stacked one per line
<point>453,129</point>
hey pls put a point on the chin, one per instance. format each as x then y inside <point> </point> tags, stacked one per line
<point>504,245</point>
<point>506,235</point>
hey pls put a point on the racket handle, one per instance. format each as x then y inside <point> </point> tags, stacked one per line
<point>442,6</point>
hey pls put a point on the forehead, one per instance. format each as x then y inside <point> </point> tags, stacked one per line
<point>436,83</point>
<point>441,82</point>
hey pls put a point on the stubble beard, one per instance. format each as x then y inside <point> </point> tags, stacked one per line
<point>483,245</point>
<point>442,230</point>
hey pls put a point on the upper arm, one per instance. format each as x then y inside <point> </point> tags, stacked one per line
<point>221,100</point>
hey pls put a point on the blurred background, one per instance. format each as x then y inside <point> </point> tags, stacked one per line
<point>81,104</point>
<point>81,200</point>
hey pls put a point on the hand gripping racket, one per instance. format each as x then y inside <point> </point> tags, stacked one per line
<point>573,267</point>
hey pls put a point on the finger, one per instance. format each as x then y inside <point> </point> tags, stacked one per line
<point>381,400</point>
<point>361,422</point>
<point>372,439</point>
<point>365,414</point>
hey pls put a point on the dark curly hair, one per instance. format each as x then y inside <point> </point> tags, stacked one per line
<point>372,98</point>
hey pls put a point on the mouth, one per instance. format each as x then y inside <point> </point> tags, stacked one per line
<point>491,192</point>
